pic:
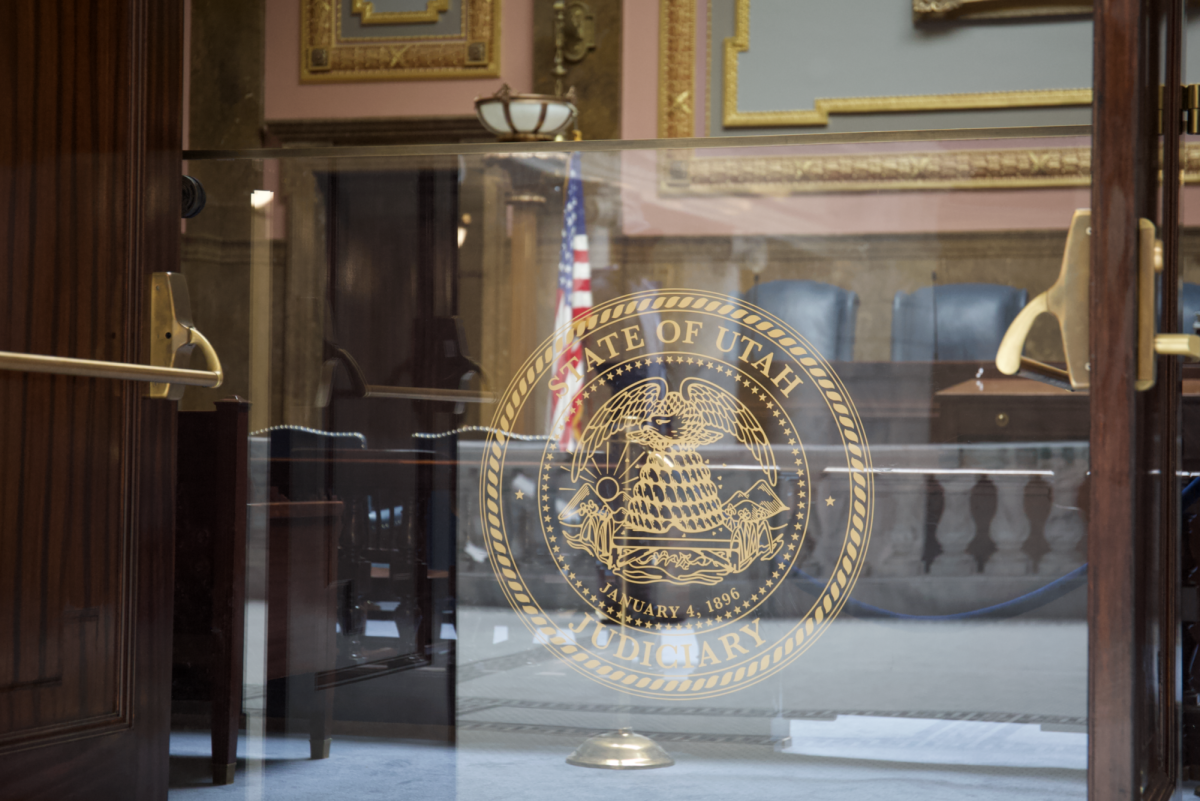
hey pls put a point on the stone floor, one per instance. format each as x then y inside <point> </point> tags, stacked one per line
<point>877,709</point>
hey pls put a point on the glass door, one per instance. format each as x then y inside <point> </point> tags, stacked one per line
<point>701,460</point>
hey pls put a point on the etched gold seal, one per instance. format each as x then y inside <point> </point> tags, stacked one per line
<point>673,497</point>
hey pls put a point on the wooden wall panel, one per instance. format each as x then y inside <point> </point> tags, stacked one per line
<point>64,220</point>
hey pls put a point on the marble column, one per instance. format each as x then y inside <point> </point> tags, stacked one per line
<point>829,529</point>
<point>1065,526</point>
<point>1010,528</point>
<point>900,547</point>
<point>956,528</point>
<point>228,51</point>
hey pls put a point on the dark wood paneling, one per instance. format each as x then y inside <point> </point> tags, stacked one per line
<point>61,563</point>
<point>89,205</point>
<point>131,763</point>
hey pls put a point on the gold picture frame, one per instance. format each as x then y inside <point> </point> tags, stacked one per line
<point>930,10</point>
<point>823,107</point>
<point>676,68</point>
<point>681,174</point>
<point>326,56</point>
<point>365,11</point>
<point>677,59</point>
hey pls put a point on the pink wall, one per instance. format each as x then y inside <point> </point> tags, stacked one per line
<point>639,70</point>
<point>647,214</point>
<point>286,98</point>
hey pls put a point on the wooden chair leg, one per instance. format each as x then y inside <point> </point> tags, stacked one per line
<point>321,732</point>
<point>223,774</point>
<point>229,585</point>
<point>226,712</point>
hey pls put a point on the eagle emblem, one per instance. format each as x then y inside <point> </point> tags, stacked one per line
<point>649,506</point>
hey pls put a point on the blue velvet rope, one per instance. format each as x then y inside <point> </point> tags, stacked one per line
<point>1191,494</point>
<point>1017,606</point>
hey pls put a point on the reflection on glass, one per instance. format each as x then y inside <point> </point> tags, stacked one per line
<point>702,446</point>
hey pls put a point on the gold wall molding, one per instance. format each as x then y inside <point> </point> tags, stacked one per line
<point>676,68</point>
<point>823,107</point>
<point>327,56</point>
<point>369,16</point>
<point>925,10</point>
<point>708,67</point>
<point>682,174</point>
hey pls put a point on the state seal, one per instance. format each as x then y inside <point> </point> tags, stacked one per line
<point>656,546</point>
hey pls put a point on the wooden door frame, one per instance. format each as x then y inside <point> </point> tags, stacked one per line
<point>1133,532</point>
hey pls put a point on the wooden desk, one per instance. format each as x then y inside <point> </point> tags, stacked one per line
<point>1007,409</point>
<point>897,401</point>
<point>916,403</point>
<point>923,402</point>
<point>1038,412</point>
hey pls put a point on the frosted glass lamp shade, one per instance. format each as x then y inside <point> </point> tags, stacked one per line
<point>525,118</point>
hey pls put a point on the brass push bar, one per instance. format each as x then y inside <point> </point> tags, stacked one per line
<point>171,336</point>
<point>1068,301</point>
<point>89,368</point>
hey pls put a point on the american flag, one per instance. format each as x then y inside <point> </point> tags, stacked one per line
<point>574,301</point>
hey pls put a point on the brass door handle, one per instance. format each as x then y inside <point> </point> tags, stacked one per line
<point>170,323</point>
<point>1067,300</point>
<point>173,335</point>
<point>1185,345</point>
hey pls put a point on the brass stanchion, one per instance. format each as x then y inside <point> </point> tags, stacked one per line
<point>620,750</point>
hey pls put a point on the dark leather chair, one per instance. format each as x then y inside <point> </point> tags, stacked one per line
<point>970,321</point>
<point>823,314</point>
<point>1190,298</point>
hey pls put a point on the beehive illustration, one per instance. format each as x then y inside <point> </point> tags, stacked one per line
<point>674,496</point>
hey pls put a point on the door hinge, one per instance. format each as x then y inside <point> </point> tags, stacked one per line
<point>1067,300</point>
<point>1189,108</point>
